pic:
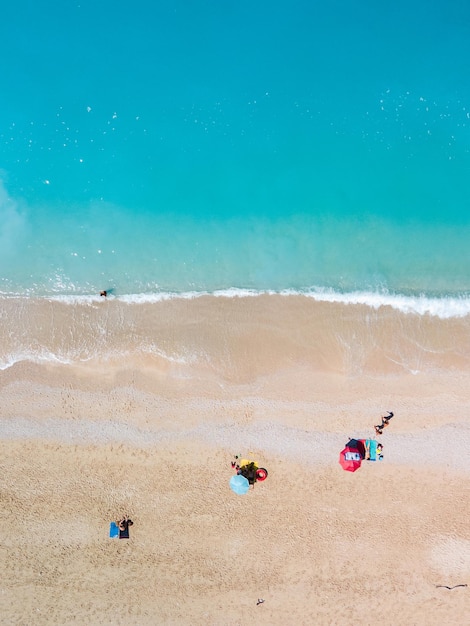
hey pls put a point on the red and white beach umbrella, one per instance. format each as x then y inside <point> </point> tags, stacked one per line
<point>350,459</point>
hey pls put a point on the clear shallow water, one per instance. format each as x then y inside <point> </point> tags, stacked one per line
<point>164,148</point>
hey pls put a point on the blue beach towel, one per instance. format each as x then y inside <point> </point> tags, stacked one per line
<point>113,530</point>
<point>372,449</point>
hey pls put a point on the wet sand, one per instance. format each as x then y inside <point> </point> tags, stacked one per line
<point>152,435</point>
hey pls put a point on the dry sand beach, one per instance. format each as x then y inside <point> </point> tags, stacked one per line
<point>148,427</point>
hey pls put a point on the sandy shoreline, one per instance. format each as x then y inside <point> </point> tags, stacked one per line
<point>146,422</point>
<point>83,445</point>
<point>233,340</point>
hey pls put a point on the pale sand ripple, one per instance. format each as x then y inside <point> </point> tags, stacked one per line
<point>451,557</point>
<point>275,439</point>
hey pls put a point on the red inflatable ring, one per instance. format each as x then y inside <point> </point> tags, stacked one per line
<point>261,474</point>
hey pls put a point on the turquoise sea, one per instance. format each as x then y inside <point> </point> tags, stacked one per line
<point>181,147</point>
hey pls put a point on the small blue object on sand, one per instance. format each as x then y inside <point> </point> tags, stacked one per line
<point>113,530</point>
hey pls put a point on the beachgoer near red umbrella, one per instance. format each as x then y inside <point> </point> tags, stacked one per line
<point>385,420</point>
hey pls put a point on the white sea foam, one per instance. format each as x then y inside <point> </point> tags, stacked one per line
<point>442,307</point>
<point>46,356</point>
<point>43,357</point>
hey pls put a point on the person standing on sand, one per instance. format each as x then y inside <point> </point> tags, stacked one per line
<point>385,420</point>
